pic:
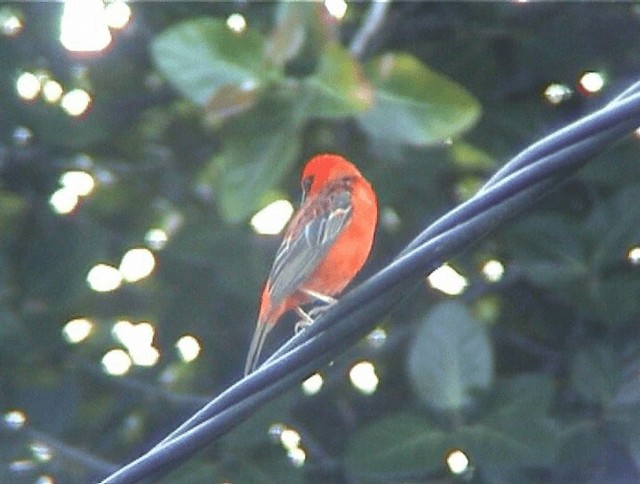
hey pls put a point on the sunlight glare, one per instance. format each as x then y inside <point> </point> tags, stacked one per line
<point>557,93</point>
<point>14,419</point>
<point>336,8</point>
<point>297,456</point>
<point>457,462</point>
<point>592,82</point>
<point>75,102</point>
<point>290,439</point>
<point>377,338</point>
<point>156,238</point>
<point>79,182</point>
<point>138,339</point>
<point>237,23</point>
<point>188,348</point>
<point>313,384</point>
<point>52,91</point>
<point>144,355</point>
<point>137,264</point>
<point>634,256</point>
<point>493,270</point>
<point>83,26</point>
<point>363,377</point>
<point>22,136</point>
<point>41,452</point>
<point>131,335</point>
<point>116,362</point>
<point>63,201</point>
<point>272,218</point>
<point>447,280</point>
<point>117,14</point>
<point>104,278</point>
<point>77,330</point>
<point>10,22</point>
<point>275,431</point>
<point>28,86</point>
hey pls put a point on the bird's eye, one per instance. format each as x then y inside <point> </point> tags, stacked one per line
<point>306,184</point>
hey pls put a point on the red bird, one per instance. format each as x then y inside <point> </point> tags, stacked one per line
<point>325,245</point>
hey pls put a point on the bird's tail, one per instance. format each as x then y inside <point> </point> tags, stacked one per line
<point>259,335</point>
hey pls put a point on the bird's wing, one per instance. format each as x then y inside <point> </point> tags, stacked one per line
<point>307,242</point>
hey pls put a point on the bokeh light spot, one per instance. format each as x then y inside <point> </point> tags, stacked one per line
<point>83,26</point>
<point>447,280</point>
<point>557,93</point>
<point>592,82</point>
<point>77,330</point>
<point>52,91</point>
<point>313,384</point>
<point>188,348</point>
<point>41,452</point>
<point>156,238</point>
<point>137,264</point>
<point>117,14</point>
<point>633,256</point>
<point>14,419</point>
<point>75,102</point>
<point>10,22</point>
<point>458,462</point>
<point>272,218</point>
<point>336,8</point>
<point>116,362</point>
<point>63,201</point>
<point>290,438</point>
<point>79,182</point>
<point>297,456</point>
<point>493,270</point>
<point>28,86</point>
<point>104,278</point>
<point>237,23</point>
<point>377,338</point>
<point>22,136</point>
<point>363,377</point>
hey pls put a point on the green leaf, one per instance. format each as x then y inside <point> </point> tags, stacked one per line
<point>415,105</point>
<point>338,88</point>
<point>579,441</point>
<point>259,148</point>
<point>613,227</point>
<point>255,430</point>
<point>548,251</point>
<point>594,373</point>
<point>517,431</point>
<point>470,157</point>
<point>400,443</point>
<point>628,391</point>
<point>200,56</point>
<point>288,36</point>
<point>229,101</point>
<point>451,358</point>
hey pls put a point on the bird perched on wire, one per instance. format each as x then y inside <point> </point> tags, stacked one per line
<point>325,245</point>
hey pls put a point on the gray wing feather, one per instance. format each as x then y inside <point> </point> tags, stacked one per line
<point>297,258</point>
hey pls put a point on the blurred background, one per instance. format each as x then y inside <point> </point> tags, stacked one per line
<point>150,156</point>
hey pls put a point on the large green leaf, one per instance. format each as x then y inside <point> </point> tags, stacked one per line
<point>585,260</point>
<point>517,431</point>
<point>400,443</point>
<point>338,88</point>
<point>293,20</point>
<point>259,148</point>
<point>451,358</point>
<point>415,105</point>
<point>200,56</point>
